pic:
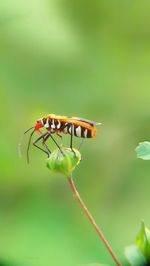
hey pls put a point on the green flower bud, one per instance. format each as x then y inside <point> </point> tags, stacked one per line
<point>64,163</point>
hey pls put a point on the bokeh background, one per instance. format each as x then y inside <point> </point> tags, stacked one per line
<point>89,59</point>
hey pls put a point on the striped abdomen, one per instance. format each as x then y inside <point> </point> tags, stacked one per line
<point>78,128</point>
<point>78,131</point>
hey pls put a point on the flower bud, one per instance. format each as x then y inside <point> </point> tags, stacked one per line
<point>64,162</point>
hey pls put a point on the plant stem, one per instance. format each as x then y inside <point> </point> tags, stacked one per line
<point>90,217</point>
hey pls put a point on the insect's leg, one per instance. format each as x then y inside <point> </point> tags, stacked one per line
<point>46,136</point>
<point>61,138</point>
<point>49,135</point>
<point>56,143</point>
<point>81,144</point>
<point>41,137</point>
<point>71,140</point>
<point>44,142</point>
<point>61,130</point>
<point>63,127</point>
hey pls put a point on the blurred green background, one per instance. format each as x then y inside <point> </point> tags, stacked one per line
<point>78,58</point>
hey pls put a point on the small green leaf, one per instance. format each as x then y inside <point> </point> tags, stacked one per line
<point>64,163</point>
<point>134,256</point>
<point>143,150</point>
<point>143,241</point>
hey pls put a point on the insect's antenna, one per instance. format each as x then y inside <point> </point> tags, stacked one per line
<point>28,148</point>
<point>21,140</point>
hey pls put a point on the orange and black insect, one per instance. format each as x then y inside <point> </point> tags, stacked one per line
<point>74,126</point>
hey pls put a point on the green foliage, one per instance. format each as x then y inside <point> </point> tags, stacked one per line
<point>64,163</point>
<point>139,253</point>
<point>143,241</point>
<point>85,58</point>
<point>143,150</point>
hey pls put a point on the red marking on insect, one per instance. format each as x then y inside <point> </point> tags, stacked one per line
<point>38,125</point>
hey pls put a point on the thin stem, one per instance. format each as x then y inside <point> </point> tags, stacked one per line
<point>99,232</point>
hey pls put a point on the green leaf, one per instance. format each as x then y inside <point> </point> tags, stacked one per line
<point>64,163</point>
<point>143,150</point>
<point>134,256</point>
<point>143,241</point>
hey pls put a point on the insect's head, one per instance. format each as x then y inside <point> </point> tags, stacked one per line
<point>38,124</point>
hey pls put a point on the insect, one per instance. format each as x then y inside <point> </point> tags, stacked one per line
<point>55,124</point>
